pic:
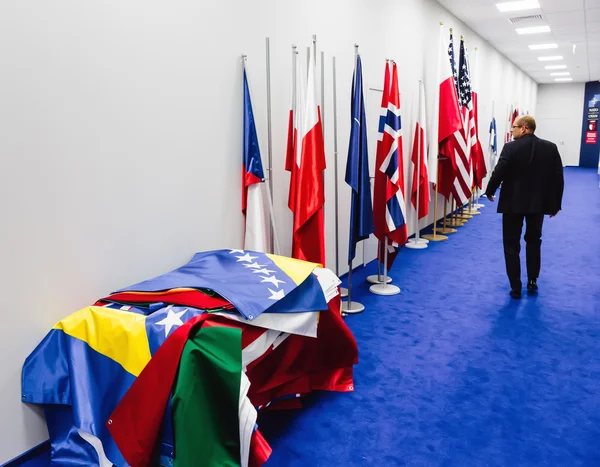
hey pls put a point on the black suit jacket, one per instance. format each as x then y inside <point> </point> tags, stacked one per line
<point>531,172</point>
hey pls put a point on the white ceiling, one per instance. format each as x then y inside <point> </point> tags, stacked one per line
<point>571,22</point>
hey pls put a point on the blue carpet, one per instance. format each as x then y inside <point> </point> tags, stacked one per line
<point>452,372</point>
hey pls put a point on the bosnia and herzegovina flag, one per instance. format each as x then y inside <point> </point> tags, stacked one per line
<point>253,282</point>
<point>88,361</point>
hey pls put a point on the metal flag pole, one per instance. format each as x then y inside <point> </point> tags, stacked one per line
<point>350,307</point>
<point>418,243</point>
<point>377,278</point>
<point>435,237</point>
<point>274,240</point>
<point>385,288</point>
<point>343,290</point>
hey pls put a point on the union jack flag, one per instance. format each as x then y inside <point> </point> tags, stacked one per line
<point>389,207</point>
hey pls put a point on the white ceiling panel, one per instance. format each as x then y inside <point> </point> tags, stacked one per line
<point>592,15</point>
<point>556,6</point>
<point>565,17</point>
<point>571,22</point>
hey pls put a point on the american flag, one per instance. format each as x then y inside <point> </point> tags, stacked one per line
<point>463,177</point>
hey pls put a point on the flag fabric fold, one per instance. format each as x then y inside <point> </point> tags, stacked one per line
<point>477,155</point>
<point>357,168</point>
<point>307,190</point>
<point>389,206</point>
<point>256,236</point>
<point>419,160</point>
<point>449,121</point>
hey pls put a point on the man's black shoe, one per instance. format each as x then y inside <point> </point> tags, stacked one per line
<point>532,286</point>
<point>515,293</point>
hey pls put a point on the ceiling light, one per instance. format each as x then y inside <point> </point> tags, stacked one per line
<point>518,5</point>
<point>551,58</point>
<point>543,46</point>
<point>533,30</point>
<point>555,67</point>
<point>560,73</point>
<point>563,79</point>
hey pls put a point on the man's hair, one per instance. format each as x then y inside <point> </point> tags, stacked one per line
<point>527,121</point>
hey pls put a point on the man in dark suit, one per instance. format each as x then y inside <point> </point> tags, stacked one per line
<point>531,172</point>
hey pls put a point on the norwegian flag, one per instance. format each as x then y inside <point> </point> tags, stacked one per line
<point>389,207</point>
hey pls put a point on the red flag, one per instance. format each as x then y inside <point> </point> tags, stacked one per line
<point>479,168</point>
<point>419,159</point>
<point>389,206</point>
<point>307,190</point>
<point>449,121</point>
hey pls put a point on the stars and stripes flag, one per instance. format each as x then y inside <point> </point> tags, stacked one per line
<point>493,143</point>
<point>305,160</point>
<point>468,100</point>
<point>419,159</point>
<point>256,237</point>
<point>389,207</point>
<point>447,123</point>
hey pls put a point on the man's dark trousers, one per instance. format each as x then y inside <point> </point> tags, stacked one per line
<point>512,226</point>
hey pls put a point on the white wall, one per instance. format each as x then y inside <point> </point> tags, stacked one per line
<point>559,118</point>
<point>120,139</point>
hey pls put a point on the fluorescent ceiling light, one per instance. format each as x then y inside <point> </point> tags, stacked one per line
<point>560,73</point>
<point>543,46</point>
<point>518,5</point>
<point>563,79</point>
<point>550,58</point>
<point>555,67</point>
<point>533,30</point>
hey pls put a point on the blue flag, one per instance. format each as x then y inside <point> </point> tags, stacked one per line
<point>357,168</point>
<point>493,140</point>
<point>253,282</point>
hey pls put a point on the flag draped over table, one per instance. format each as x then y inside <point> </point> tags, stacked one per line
<point>253,178</point>
<point>357,168</point>
<point>468,99</point>
<point>200,355</point>
<point>419,159</point>
<point>389,206</point>
<point>306,162</point>
<point>447,117</point>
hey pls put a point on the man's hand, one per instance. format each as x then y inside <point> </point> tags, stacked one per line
<point>555,214</point>
<point>490,197</point>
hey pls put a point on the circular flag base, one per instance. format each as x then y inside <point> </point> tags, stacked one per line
<point>384,289</point>
<point>436,237</point>
<point>343,292</point>
<point>417,244</point>
<point>472,212</point>
<point>378,279</point>
<point>353,308</point>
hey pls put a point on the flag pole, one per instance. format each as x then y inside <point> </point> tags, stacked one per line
<point>350,307</point>
<point>435,237</point>
<point>385,288</point>
<point>418,243</point>
<point>377,278</point>
<point>270,145</point>
<point>343,290</point>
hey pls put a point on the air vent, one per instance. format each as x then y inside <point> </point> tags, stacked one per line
<point>518,19</point>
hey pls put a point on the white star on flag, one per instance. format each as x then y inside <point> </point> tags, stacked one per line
<point>276,295</point>
<point>263,271</point>
<point>273,280</point>
<point>254,266</point>
<point>172,319</point>
<point>241,252</point>
<point>247,258</point>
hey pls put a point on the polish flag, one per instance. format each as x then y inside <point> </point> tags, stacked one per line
<point>419,159</point>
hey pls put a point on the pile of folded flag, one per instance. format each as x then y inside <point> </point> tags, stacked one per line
<point>174,370</point>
